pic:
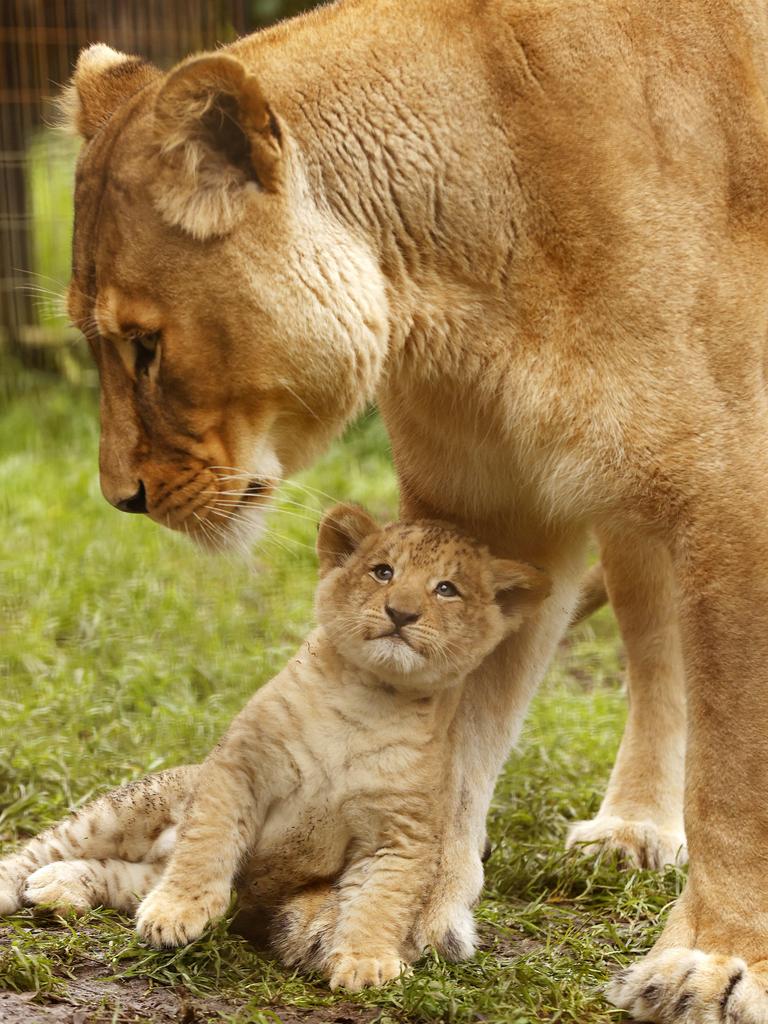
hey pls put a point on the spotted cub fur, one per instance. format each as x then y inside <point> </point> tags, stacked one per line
<point>324,803</point>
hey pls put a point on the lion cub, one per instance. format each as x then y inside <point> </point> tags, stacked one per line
<point>332,773</point>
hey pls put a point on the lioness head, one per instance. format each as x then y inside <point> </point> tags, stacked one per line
<point>235,324</point>
<point>418,604</point>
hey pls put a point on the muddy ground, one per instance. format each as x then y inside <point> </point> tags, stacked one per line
<point>93,1000</point>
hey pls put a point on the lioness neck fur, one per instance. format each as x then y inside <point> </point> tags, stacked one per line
<point>335,770</point>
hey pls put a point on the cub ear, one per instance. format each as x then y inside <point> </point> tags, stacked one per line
<point>216,134</point>
<point>103,80</point>
<point>520,589</point>
<point>342,530</point>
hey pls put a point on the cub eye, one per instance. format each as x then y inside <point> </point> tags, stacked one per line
<point>446,589</point>
<point>145,346</point>
<point>383,573</point>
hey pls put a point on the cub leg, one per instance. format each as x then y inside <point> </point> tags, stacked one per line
<point>641,816</point>
<point>219,827</point>
<point>74,886</point>
<point>375,915</point>
<point>303,928</point>
<point>125,824</point>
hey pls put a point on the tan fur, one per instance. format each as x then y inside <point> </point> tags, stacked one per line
<point>593,594</point>
<point>641,816</point>
<point>332,774</point>
<point>537,234</point>
<point>113,848</point>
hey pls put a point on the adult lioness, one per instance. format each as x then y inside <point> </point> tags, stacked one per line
<point>537,233</point>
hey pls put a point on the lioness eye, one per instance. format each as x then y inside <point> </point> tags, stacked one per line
<point>146,350</point>
<point>383,573</point>
<point>446,589</point>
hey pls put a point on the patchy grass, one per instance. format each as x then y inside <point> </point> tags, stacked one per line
<point>125,650</point>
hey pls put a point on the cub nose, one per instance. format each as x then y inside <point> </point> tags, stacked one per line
<point>401,618</point>
<point>136,503</point>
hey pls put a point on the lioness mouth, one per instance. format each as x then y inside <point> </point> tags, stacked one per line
<point>255,489</point>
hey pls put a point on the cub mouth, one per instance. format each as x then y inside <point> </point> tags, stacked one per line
<point>394,635</point>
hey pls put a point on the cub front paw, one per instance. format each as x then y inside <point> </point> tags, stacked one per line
<point>354,972</point>
<point>169,918</point>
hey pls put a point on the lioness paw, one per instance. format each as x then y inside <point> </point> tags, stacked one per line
<point>168,918</point>
<point>62,886</point>
<point>639,844</point>
<point>688,986</point>
<point>354,972</point>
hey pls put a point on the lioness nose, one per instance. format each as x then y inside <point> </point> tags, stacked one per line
<point>401,618</point>
<point>136,503</point>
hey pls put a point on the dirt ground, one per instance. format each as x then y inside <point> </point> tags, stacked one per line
<point>92,1000</point>
<point>90,996</point>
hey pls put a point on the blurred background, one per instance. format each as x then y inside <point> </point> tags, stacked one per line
<point>39,43</point>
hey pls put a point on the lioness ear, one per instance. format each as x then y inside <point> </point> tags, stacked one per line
<point>520,589</point>
<point>103,80</point>
<point>216,135</point>
<point>342,529</point>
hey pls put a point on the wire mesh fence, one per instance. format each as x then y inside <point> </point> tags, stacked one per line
<point>39,43</point>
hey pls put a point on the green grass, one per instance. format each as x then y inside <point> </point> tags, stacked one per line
<point>51,157</point>
<point>124,650</point>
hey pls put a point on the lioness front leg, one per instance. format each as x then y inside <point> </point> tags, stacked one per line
<point>711,962</point>
<point>641,816</point>
<point>132,823</point>
<point>486,725</point>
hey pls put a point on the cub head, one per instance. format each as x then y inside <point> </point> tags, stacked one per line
<point>417,603</point>
<point>235,322</point>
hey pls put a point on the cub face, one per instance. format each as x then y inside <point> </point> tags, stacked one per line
<point>235,324</point>
<point>417,604</point>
